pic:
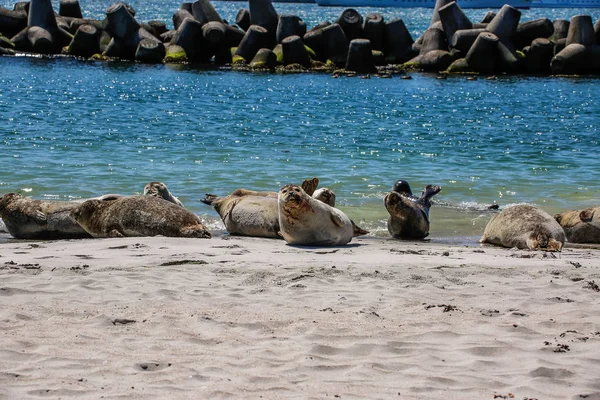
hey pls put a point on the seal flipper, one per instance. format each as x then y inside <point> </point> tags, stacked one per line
<point>39,217</point>
<point>114,234</point>
<point>337,220</point>
<point>209,199</point>
<point>586,215</point>
<point>310,185</point>
<point>358,231</point>
<point>428,193</point>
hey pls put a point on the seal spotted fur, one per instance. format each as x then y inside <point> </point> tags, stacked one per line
<point>307,221</point>
<point>251,213</point>
<point>581,226</point>
<point>138,216</point>
<point>409,216</point>
<point>159,189</point>
<point>26,218</point>
<point>525,227</point>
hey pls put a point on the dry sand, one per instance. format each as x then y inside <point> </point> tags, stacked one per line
<point>252,318</point>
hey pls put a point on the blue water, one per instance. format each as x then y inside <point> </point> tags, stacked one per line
<point>73,129</point>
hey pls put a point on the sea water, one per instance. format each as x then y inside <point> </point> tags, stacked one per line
<point>74,129</point>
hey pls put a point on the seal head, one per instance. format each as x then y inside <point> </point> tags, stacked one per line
<point>159,189</point>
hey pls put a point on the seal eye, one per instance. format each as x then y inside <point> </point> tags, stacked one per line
<point>296,190</point>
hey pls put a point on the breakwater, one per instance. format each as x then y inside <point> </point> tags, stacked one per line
<point>262,38</point>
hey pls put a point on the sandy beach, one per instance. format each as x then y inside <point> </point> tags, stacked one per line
<point>253,318</point>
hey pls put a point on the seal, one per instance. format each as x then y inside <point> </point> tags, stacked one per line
<point>251,213</point>
<point>159,189</point>
<point>581,226</point>
<point>138,216</point>
<point>525,227</point>
<point>409,216</point>
<point>325,195</point>
<point>247,214</point>
<point>306,221</point>
<point>26,218</point>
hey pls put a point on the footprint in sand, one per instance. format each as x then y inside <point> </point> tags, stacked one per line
<point>152,366</point>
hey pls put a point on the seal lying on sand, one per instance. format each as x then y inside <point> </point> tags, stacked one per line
<point>246,214</point>
<point>249,212</point>
<point>409,216</point>
<point>525,227</point>
<point>138,216</point>
<point>306,221</point>
<point>159,189</point>
<point>26,218</point>
<point>581,226</point>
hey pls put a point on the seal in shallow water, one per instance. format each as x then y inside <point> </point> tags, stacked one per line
<point>138,216</point>
<point>159,189</point>
<point>26,218</point>
<point>306,221</point>
<point>581,226</point>
<point>525,227</point>
<point>409,216</point>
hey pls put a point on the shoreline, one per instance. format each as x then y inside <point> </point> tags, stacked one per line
<point>248,317</point>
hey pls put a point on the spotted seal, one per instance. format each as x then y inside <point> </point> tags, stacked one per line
<point>138,216</point>
<point>581,226</point>
<point>159,189</point>
<point>525,227</point>
<point>249,212</point>
<point>26,218</point>
<point>409,215</point>
<point>307,221</point>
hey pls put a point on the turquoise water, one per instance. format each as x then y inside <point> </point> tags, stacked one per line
<point>73,129</point>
